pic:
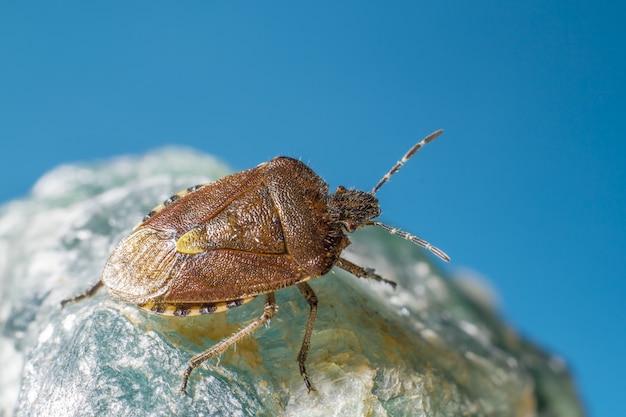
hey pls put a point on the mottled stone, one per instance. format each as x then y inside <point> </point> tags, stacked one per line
<point>428,348</point>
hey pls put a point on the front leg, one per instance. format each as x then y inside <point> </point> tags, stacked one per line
<point>362,272</point>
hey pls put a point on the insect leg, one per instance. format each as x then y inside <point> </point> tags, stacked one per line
<point>268,312</point>
<point>88,293</point>
<point>362,272</point>
<point>311,298</point>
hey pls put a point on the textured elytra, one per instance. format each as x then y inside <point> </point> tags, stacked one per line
<point>244,235</point>
<point>171,200</point>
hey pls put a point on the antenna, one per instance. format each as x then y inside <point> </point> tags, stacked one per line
<point>405,158</point>
<point>418,241</point>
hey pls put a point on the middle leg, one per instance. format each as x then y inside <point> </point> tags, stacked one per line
<point>268,312</point>
<point>311,298</point>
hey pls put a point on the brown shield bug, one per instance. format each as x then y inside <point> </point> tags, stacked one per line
<point>216,246</point>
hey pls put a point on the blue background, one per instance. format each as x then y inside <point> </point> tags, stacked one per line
<point>526,186</point>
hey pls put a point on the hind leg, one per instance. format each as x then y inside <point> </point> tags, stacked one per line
<point>88,293</point>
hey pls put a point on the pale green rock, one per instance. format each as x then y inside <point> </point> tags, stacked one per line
<point>428,348</point>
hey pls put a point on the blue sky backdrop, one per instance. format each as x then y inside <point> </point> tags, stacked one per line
<point>527,186</point>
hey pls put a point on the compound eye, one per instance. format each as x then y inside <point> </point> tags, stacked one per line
<point>349,226</point>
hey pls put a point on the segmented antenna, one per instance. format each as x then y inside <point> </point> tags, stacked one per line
<point>418,241</point>
<point>405,158</point>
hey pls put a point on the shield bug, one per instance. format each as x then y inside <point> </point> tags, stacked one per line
<point>216,246</point>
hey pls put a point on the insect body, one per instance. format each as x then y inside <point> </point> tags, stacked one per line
<point>216,246</point>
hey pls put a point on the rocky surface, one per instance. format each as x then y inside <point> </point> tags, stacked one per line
<point>428,348</point>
